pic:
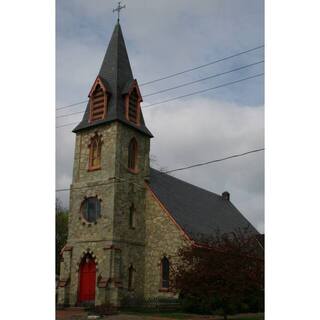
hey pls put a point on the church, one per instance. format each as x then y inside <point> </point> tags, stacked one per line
<point>126,219</point>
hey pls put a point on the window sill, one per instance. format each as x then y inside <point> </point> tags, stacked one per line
<point>93,169</point>
<point>133,171</point>
<point>164,290</point>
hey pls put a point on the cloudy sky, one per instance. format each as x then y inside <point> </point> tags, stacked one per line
<point>165,37</point>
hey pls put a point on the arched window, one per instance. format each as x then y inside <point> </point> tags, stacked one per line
<point>132,216</point>
<point>132,155</point>
<point>91,209</point>
<point>98,102</point>
<point>130,278</point>
<point>133,108</point>
<point>165,265</point>
<point>95,152</point>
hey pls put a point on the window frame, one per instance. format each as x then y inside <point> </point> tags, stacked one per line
<point>92,118</point>
<point>131,277</point>
<point>132,210</point>
<point>133,155</point>
<point>95,140</point>
<point>84,207</point>
<point>163,288</point>
<point>134,87</point>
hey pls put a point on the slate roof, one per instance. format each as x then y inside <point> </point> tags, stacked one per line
<point>116,74</point>
<point>197,211</point>
<point>260,239</point>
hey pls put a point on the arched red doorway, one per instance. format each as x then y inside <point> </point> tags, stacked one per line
<point>87,280</point>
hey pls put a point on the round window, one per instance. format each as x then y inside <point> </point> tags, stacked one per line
<point>91,209</point>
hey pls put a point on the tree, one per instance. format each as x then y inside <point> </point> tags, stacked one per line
<point>61,231</point>
<point>220,273</point>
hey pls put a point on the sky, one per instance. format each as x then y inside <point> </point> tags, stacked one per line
<point>165,37</point>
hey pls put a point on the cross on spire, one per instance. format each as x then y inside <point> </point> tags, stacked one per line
<point>118,9</point>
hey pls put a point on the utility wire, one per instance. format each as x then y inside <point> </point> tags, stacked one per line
<point>179,86</point>
<point>70,114</point>
<point>202,66</point>
<point>86,187</point>
<point>201,91</point>
<point>175,74</point>
<point>213,161</point>
<point>170,171</point>
<point>186,95</point>
<point>67,124</point>
<point>71,105</point>
<point>202,79</point>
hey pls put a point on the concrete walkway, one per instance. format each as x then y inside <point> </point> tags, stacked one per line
<point>80,314</point>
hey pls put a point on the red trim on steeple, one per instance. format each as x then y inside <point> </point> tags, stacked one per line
<point>133,86</point>
<point>96,82</point>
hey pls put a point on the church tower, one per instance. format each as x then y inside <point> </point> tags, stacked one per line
<point>102,261</point>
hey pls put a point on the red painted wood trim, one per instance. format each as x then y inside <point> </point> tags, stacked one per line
<point>63,283</point>
<point>97,81</point>
<point>105,96</point>
<point>94,168</point>
<point>98,139</point>
<point>133,86</point>
<point>66,248</point>
<point>184,233</point>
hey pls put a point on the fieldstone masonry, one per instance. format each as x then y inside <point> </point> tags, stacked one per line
<point>112,244</point>
<point>110,240</point>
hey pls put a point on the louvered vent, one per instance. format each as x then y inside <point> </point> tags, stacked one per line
<point>98,105</point>
<point>133,106</point>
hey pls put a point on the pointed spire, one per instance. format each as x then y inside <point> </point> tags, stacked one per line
<point>116,75</point>
<point>115,68</point>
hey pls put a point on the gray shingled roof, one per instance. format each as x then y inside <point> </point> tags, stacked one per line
<point>116,74</point>
<point>199,212</point>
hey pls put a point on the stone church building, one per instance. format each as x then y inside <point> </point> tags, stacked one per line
<point>127,220</point>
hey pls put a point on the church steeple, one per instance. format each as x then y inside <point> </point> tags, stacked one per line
<point>115,68</point>
<point>120,88</point>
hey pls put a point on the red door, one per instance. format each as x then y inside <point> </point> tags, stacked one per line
<point>87,286</point>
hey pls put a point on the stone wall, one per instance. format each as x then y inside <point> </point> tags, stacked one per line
<point>110,239</point>
<point>163,238</point>
<point>131,192</point>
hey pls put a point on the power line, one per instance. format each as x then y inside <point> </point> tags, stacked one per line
<point>180,86</point>
<point>67,124</point>
<point>71,105</point>
<point>202,79</point>
<point>201,91</point>
<point>202,66</point>
<point>170,171</point>
<point>186,95</point>
<point>175,74</point>
<point>214,161</point>
<point>70,114</point>
<point>86,187</point>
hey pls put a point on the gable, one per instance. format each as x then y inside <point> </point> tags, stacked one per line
<point>197,211</point>
<point>159,212</point>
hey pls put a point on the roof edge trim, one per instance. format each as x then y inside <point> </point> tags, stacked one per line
<point>183,232</point>
<point>96,82</point>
